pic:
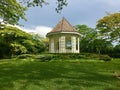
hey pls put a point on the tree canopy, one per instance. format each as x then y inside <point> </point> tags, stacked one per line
<point>14,41</point>
<point>11,11</point>
<point>87,36</point>
<point>109,27</point>
<point>91,42</point>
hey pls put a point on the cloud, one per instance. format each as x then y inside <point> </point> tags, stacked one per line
<point>42,30</point>
<point>111,3</point>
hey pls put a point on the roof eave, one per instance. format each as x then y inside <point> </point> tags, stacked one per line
<point>54,33</point>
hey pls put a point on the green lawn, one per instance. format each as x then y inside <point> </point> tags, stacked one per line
<point>59,75</point>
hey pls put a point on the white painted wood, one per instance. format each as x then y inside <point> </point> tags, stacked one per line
<point>62,44</point>
<point>52,45</point>
<point>73,44</point>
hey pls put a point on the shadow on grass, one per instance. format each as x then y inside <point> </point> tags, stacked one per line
<point>35,73</point>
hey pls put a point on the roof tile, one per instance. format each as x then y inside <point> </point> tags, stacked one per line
<point>63,26</point>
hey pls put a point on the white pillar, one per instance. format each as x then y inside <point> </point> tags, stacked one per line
<point>73,44</point>
<point>62,44</point>
<point>52,45</point>
<point>78,45</point>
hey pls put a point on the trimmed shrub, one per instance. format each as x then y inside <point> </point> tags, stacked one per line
<point>105,58</point>
<point>66,56</point>
<point>23,56</point>
<point>44,58</point>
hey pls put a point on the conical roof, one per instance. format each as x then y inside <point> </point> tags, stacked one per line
<point>63,26</point>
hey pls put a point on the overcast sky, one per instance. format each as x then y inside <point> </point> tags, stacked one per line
<point>42,20</point>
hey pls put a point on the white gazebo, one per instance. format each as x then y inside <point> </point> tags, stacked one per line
<point>63,38</point>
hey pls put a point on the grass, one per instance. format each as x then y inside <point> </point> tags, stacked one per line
<point>59,75</point>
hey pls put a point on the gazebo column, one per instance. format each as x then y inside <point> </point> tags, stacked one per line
<point>73,39</point>
<point>52,45</point>
<point>78,45</point>
<point>62,44</point>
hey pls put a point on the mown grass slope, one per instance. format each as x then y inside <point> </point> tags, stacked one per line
<point>59,75</point>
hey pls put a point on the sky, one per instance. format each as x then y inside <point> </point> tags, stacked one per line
<point>42,20</point>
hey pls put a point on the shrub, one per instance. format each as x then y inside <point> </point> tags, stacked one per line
<point>66,56</point>
<point>5,50</point>
<point>44,58</point>
<point>14,41</point>
<point>115,55</point>
<point>23,56</point>
<point>17,49</point>
<point>105,58</point>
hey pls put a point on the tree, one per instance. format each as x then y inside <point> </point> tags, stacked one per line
<point>102,46</point>
<point>87,36</point>
<point>17,49</point>
<point>11,11</point>
<point>14,41</point>
<point>109,27</point>
<point>91,42</point>
<point>60,3</point>
<point>116,53</point>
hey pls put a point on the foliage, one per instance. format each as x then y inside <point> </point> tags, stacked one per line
<point>46,43</point>
<point>30,45</point>
<point>60,5</point>
<point>4,49</point>
<point>65,56</point>
<point>115,52</point>
<point>17,42</point>
<point>87,37</point>
<point>25,56</point>
<point>102,46</point>
<point>33,3</point>
<point>40,46</point>
<point>117,48</point>
<point>11,11</point>
<point>17,49</point>
<point>60,75</point>
<point>91,41</point>
<point>44,58</point>
<point>109,26</point>
<point>84,29</point>
<point>41,43</point>
<point>105,57</point>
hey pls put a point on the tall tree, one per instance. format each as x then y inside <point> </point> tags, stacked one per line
<point>11,11</point>
<point>91,42</point>
<point>87,36</point>
<point>29,3</point>
<point>109,27</point>
<point>101,46</point>
<point>14,41</point>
